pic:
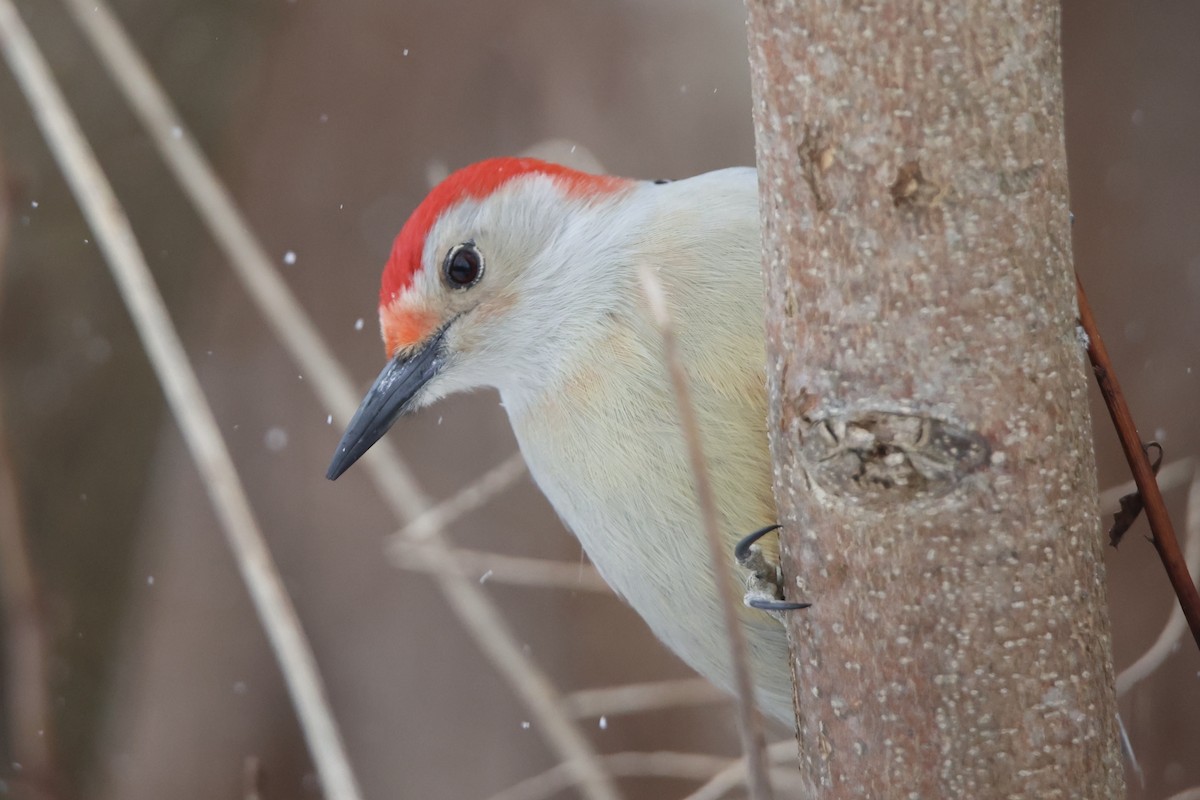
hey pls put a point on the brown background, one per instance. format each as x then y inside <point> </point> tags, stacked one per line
<point>326,132</point>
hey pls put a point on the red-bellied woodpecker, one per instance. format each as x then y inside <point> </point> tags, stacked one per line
<point>524,275</point>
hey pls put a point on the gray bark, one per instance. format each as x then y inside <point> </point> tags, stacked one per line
<point>929,423</point>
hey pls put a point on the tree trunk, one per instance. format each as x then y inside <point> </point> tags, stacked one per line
<point>929,423</point>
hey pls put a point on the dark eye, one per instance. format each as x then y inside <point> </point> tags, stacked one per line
<point>463,266</point>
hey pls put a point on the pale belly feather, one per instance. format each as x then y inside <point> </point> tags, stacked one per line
<point>617,473</point>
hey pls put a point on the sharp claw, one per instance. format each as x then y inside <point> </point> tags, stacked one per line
<point>764,579</point>
<point>741,550</point>
<point>774,605</point>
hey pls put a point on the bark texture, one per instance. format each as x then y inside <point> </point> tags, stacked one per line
<point>935,473</point>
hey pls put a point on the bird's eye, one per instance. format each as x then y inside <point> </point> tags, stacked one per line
<point>463,266</point>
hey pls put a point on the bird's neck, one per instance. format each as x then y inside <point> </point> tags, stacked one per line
<point>582,288</point>
<point>584,310</point>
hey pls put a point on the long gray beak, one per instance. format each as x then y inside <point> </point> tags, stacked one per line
<point>389,397</point>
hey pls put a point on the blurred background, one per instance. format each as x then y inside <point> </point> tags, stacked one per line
<point>327,121</point>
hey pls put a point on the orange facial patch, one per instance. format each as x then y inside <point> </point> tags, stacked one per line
<point>405,326</point>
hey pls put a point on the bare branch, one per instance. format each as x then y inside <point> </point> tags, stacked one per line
<point>475,495</point>
<point>635,698</point>
<point>295,331</point>
<point>1143,474</point>
<point>721,773</point>
<point>26,675</point>
<point>1127,749</point>
<point>1164,645</point>
<point>668,765</point>
<point>488,567</point>
<point>25,678</point>
<point>749,722</point>
<point>734,775</point>
<point>186,400</point>
<point>1173,473</point>
<point>252,778</point>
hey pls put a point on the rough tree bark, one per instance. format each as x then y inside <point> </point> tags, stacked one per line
<point>934,465</point>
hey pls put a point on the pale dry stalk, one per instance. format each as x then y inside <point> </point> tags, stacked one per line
<point>186,400</point>
<point>296,332</point>
<point>749,722</point>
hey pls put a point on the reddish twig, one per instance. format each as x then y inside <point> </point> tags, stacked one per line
<point>1132,504</point>
<point>25,669</point>
<point>1143,475</point>
<point>25,666</point>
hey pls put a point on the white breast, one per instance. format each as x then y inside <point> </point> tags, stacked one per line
<point>604,443</point>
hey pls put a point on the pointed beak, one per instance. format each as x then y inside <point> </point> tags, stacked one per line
<point>389,397</point>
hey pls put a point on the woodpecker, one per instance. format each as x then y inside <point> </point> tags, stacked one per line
<point>523,275</point>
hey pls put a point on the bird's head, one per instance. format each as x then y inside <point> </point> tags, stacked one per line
<point>479,283</point>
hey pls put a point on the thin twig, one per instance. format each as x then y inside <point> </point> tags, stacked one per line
<point>681,766</point>
<point>1130,506</point>
<point>26,674</point>
<point>473,496</point>
<point>735,774</point>
<point>635,698</point>
<point>1173,473</point>
<point>1127,749</point>
<point>663,764</point>
<point>252,778</point>
<point>492,567</point>
<point>25,678</point>
<point>749,723</point>
<point>296,332</point>
<point>247,256</point>
<point>186,400</point>
<point>1156,510</point>
<point>1164,645</point>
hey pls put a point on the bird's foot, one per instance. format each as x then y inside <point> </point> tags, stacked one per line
<point>764,583</point>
